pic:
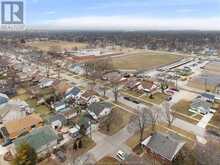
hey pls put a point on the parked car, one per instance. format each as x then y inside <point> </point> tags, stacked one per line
<point>175,89</point>
<point>131,99</point>
<point>127,98</point>
<point>121,155</point>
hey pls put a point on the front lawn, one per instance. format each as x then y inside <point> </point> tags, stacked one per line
<point>157,98</point>
<point>183,107</point>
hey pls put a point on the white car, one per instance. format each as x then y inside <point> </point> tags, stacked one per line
<point>121,155</point>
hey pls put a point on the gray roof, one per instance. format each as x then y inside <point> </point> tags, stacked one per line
<point>201,105</point>
<point>38,137</point>
<point>74,91</point>
<point>208,96</point>
<point>59,103</point>
<point>56,117</point>
<point>98,107</point>
<point>165,145</point>
<point>3,98</point>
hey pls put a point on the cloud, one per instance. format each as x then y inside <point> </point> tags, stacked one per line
<point>132,23</point>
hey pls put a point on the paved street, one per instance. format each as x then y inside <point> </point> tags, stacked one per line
<point>109,145</point>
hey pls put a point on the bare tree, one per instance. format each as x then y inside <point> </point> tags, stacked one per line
<point>153,114</point>
<point>169,114</point>
<point>89,68</point>
<point>144,117</point>
<point>103,88</point>
<point>115,90</point>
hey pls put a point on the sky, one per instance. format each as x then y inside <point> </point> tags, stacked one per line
<point>123,14</point>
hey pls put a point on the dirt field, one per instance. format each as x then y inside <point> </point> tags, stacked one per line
<point>47,45</point>
<point>144,61</point>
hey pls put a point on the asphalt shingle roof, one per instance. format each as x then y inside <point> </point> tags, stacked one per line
<point>165,145</point>
<point>38,138</point>
<point>3,98</point>
<point>98,107</point>
<point>74,91</point>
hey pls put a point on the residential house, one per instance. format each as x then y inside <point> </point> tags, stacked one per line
<point>90,96</point>
<point>57,121</point>
<point>72,93</point>
<point>42,140</point>
<point>59,105</point>
<point>132,83</point>
<point>44,83</point>
<point>75,131</point>
<point>68,113</point>
<point>208,97</point>
<point>163,147</point>
<point>99,110</point>
<point>113,76</point>
<point>3,99</point>
<point>16,128</point>
<point>8,90</point>
<point>147,86</point>
<point>77,69</point>
<point>200,106</point>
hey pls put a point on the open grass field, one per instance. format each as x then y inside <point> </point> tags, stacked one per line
<point>144,61</point>
<point>47,45</point>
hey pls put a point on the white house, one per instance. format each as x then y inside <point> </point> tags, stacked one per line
<point>44,83</point>
<point>58,106</point>
<point>99,110</point>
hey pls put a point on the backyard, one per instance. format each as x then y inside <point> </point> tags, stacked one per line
<point>120,119</point>
<point>42,110</point>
